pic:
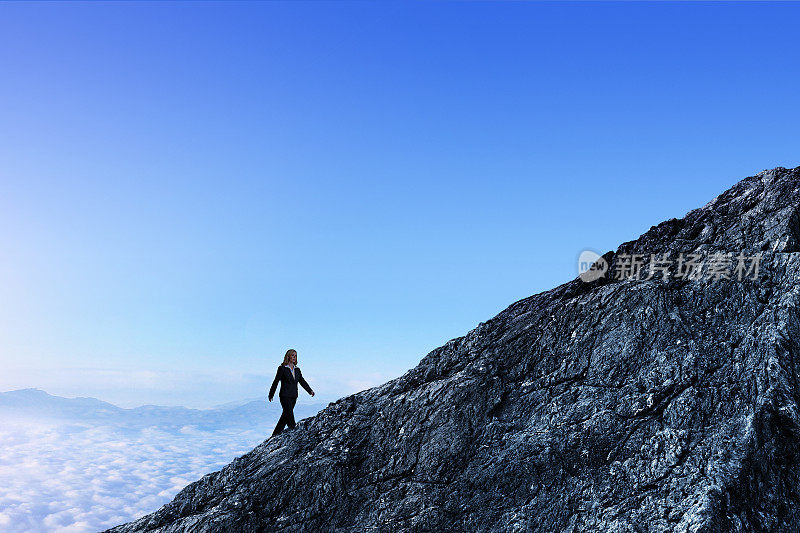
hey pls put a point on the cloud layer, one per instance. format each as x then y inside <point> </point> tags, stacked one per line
<point>79,475</point>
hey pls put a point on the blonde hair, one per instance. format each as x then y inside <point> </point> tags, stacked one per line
<point>289,353</point>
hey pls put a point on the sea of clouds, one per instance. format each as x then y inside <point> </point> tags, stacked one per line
<point>79,465</point>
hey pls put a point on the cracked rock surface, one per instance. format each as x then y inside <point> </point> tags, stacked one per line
<point>619,405</point>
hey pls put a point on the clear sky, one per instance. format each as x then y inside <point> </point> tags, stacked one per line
<point>189,189</point>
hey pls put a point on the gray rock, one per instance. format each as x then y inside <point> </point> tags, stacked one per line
<point>620,405</point>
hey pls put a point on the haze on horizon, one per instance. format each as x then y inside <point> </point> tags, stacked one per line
<point>189,189</point>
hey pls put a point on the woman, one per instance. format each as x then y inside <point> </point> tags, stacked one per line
<point>289,376</point>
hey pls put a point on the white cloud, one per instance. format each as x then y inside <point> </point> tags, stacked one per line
<point>87,475</point>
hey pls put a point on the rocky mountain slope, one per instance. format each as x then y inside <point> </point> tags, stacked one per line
<point>668,404</point>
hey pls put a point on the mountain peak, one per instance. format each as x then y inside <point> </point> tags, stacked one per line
<point>758,216</point>
<point>27,392</point>
<point>664,404</point>
<point>758,213</point>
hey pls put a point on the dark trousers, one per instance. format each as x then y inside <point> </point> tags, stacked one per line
<point>287,418</point>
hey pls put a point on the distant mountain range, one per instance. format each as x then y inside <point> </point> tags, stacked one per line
<point>38,404</point>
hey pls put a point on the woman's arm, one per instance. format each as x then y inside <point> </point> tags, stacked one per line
<point>275,384</point>
<point>302,382</point>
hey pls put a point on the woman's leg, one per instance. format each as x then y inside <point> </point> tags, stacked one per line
<point>290,418</point>
<point>287,412</point>
<point>280,425</point>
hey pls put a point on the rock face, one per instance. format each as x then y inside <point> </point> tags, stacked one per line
<point>668,404</point>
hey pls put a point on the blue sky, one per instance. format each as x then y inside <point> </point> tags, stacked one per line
<point>189,189</point>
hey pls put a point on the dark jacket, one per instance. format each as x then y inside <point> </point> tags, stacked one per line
<point>288,383</point>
